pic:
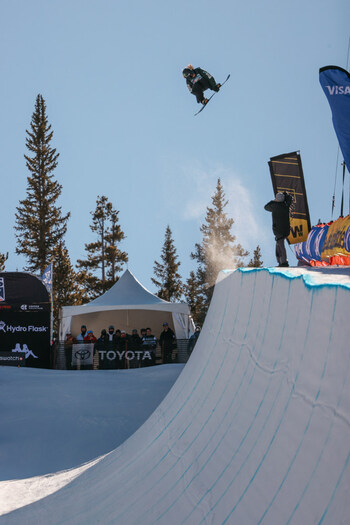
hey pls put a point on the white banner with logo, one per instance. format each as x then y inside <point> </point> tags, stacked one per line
<point>82,354</point>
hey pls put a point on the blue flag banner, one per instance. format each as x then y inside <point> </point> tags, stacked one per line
<point>335,83</point>
<point>47,277</point>
<point>327,244</point>
<point>311,249</point>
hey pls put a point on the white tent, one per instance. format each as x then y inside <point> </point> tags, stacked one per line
<point>127,305</point>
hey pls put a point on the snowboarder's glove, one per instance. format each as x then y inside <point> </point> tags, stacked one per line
<point>217,87</point>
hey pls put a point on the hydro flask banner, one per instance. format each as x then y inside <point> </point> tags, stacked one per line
<point>25,314</point>
<point>335,83</point>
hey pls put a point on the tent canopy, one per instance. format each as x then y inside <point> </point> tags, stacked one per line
<point>127,305</point>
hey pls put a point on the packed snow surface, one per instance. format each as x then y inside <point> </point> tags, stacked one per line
<point>256,429</point>
<point>53,420</point>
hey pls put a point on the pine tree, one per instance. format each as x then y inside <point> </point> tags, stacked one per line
<point>103,255</point>
<point>256,261</point>
<point>40,225</point>
<point>217,250</point>
<point>67,288</point>
<point>115,258</point>
<point>3,259</point>
<point>168,280</point>
<point>194,299</point>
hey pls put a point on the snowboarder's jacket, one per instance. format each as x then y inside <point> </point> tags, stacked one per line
<point>280,218</point>
<point>201,81</point>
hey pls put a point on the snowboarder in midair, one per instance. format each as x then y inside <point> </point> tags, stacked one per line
<point>198,81</point>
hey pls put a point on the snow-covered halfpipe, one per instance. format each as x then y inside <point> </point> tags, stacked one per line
<point>255,430</point>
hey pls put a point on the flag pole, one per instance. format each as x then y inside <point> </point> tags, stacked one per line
<point>51,294</point>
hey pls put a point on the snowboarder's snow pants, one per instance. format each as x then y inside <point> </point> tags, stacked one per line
<point>199,88</point>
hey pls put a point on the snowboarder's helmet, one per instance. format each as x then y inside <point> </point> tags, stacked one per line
<point>279,197</point>
<point>187,72</point>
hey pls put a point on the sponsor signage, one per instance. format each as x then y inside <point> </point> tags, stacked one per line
<point>334,243</point>
<point>31,328</point>
<point>129,355</point>
<point>31,307</point>
<point>311,249</point>
<point>82,354</point>
<point>25,322</point>
<point>27,333</point>
<point>12,359</point>
<point>335,82</point>
<point>287,175</point>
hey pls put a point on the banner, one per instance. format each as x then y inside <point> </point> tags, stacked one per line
<point>335,83</point>
<point>327,244</point>
<point>287,175</point>
<point>334,244</point>
<point>311,249</point>
<point>12,359</point>
<point>47,277</point>
<point>25,311</point>
<point>82,354</point>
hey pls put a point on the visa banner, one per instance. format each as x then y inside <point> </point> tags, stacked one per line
<point>335,82</point>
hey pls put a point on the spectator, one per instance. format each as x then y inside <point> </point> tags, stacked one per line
<point>193,340</point>
<point>111,335</point>
<point>80,337</point>
<point>280,223</point>
<point>68,345</point>
<point>104,336</point>
<point>135,345</point>
<point>118,360</point>
<point>102,346</point>
<point>90,338</point>
<point>167,343</point>
<point>123,348</point>
<point>110,362</point>
<point>149,344</point>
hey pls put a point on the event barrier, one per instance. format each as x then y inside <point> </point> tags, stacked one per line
<point>327,244</point>
<point>85,356</point>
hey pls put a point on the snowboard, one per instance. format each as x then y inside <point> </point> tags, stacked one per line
<point>205,105</point>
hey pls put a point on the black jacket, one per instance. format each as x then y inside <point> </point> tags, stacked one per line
<point>280,218</point>
<point>203,80</point>
<point>135,342</point>
<point>167,339</point>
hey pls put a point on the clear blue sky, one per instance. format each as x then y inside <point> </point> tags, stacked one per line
<point>110,73</point>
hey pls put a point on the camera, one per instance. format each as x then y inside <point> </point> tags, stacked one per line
<point>288,198</point>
